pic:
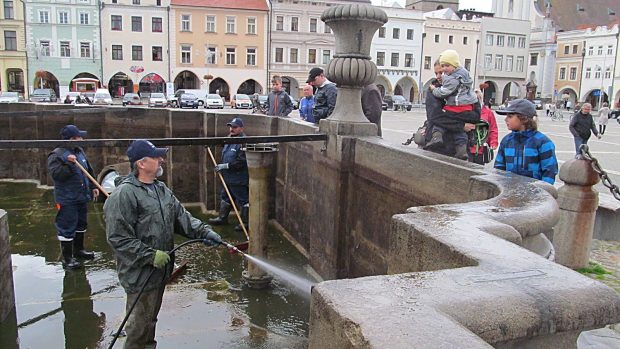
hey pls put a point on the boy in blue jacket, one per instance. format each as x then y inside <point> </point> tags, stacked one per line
<point>526,151</point>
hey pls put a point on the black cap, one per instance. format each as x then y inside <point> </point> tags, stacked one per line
<point>314,72</point>
<point>519,106</point>
<point>71,131</point>
<point>141,148</point>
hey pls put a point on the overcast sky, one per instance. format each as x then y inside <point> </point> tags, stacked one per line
<point>480,5</point>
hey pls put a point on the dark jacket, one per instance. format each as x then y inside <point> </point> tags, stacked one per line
<point>528,153</point>
<point>324,101</point>
<point>71,186</point>
<point>237,172</point>
<point>279,104</point>
<point>141,219</point>
<point>581,125</point>
<point>372,105</point>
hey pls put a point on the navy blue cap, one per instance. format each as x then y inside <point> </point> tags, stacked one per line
<point>141,148</point>
<point>71,131</point>
<point>314,72</point>
<point>235,122</point>
<point>519,106</point>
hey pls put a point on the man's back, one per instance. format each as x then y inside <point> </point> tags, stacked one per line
<point>325,101</point>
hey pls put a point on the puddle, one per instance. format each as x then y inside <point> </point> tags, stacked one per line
<point>207,306</point>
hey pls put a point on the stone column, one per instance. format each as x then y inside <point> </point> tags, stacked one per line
<point>351,69</point>
<point>578,201</point>
<point>7,293</point>
<point>260,159</point>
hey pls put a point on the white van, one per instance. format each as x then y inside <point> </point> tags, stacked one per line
<point>200,94</point>
<point>102,96</point>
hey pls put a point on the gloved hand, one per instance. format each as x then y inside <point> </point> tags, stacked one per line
<point>212,239</point>
<point>161,259</point>
<point>220,167</point>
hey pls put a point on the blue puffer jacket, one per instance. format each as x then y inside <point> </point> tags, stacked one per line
<point>237,172</point>
<point>528,153</point>
<point>71,186</point>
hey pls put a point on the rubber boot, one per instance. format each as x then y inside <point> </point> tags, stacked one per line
<point>68,262</point>
<point>461,152</point>
<point>245,211</point>
<point>222,218</point>
<point>78,248</point>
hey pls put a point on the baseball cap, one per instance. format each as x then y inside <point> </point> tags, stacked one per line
<point>519,106</point>
<point>141,148</point>
<point>314,72</point>
<point>70,131</point>
<point>235,122</point>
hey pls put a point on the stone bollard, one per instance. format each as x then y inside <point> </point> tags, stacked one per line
<point>7,293</point>
<point>578,201</point>
<point>260,158</point>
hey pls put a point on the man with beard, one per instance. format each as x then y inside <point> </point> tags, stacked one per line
<point>141,216</point>
<point>234,169</point>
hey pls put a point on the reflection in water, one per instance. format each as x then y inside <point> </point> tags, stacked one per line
<point>83,327</point>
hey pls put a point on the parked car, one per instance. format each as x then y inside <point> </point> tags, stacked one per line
<point>157,99</point>
<point>538,103</point>
<point>200,94</point>
<point>401,103</point>
<point>241,101</point>
<point>132,99</point>
<point>102,96</point>
<point>262,100</point>
<point>295,102</point>
<point>187,100</point>
<point>384,105</point>
<point>9,97</point>
<point>215,101</point>
<point>43,95</point>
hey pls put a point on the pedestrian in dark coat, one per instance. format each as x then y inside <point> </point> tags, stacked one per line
<point>325,96</point>
<point>582,126</point>
<point>278,102</point>
<point>372,105</point>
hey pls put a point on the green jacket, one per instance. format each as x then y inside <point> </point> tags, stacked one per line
<point>140,221</point>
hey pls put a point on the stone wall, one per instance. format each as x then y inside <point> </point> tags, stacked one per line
<point>7,293</point>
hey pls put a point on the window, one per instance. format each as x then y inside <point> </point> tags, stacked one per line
<point>313,24</point>
<point>84,18</point>
<point>211,55</point>
<point>534,59</point>
<point>562,73</point>
<point>488,60</point>
<point>574,49</point>
<point>408,60</point>
<point>156,25</point>
<point>63,17</point>
<point>279,23</point>
<point>210,24</point>
<point>65,49</point>
<point>436,37</point>
<point>610,50</point>
<point>588,72</point>
<point>380,59</point>
<point>294,24</point>
<point>10,40</point>
<point>396,33</point>
<point>294,55</point>
<point>135,2</point>
<point>231,24</point>
<point>509,60</point>
<point>45,48</point>
<point>250,56</point>
<point>117,22</point>
<point>520,62</point>
<point>427,62</point>
<point>521,42</point>
<point>231,52</point>
<point>600,51</point>
<point>279,58</point>
<point>117,52</point>
<point>467,64</point>
<point>157,54</point>
<point>394,60</point>
<point>136,23</point>
<point>136,53</point>
<point>158,2</point>
<point>607,72</point>
<point>44,17</point>
<point>251,25</point>
<point>85,49</point>
<point>16,80</point>
<point>8,9</point>
<point>500,40</point>
<point>327,55</point>
<point>451,39</point>
<point>597,73</point>
<point>499,62</point>
<point>327,29</point>
<point>573,73</point>
<point>590,50</point>
<point>566,49</point>
<point>312,56</point>
<point>382,32</point>
<point>185,23</point>
<point>186,54</point>
<point>465,39</point>
<point>409,34</point>
<point>511,41</point>
<point>489,40</point>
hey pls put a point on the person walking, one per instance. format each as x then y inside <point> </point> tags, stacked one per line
<point>72,192</point>
<point>234,169</point>
<point>142,215</point>
<point>603,118</point>
<point>581,127</point>
<point>325,96</point>
<point>306,104</point>
<point>278,102</point>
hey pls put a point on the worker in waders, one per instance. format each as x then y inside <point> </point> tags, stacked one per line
<point>72,192</point>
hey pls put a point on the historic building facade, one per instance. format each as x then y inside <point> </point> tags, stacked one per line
<point>13,65</point>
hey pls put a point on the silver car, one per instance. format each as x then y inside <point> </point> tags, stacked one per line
<point>9,97</point>
<point>157,100</point>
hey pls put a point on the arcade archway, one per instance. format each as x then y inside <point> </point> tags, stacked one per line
<point>596,98</point>
<point>119,84</point>
<point>291,86</point>
<point>45,79</point>
<point>250,87</point>
<point>186,80</point>
<point>151,83</point>
<point>219,86</point>
<point>84,82</point>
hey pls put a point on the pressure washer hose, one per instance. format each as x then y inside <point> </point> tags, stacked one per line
<point>120,328</point>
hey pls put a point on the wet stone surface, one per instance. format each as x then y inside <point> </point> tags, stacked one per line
<point>607,254</point>
<point>206,307</point>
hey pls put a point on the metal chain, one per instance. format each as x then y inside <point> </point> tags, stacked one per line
<point>585,152</point>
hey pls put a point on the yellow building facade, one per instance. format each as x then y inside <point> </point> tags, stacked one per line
<point>13,63</point>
